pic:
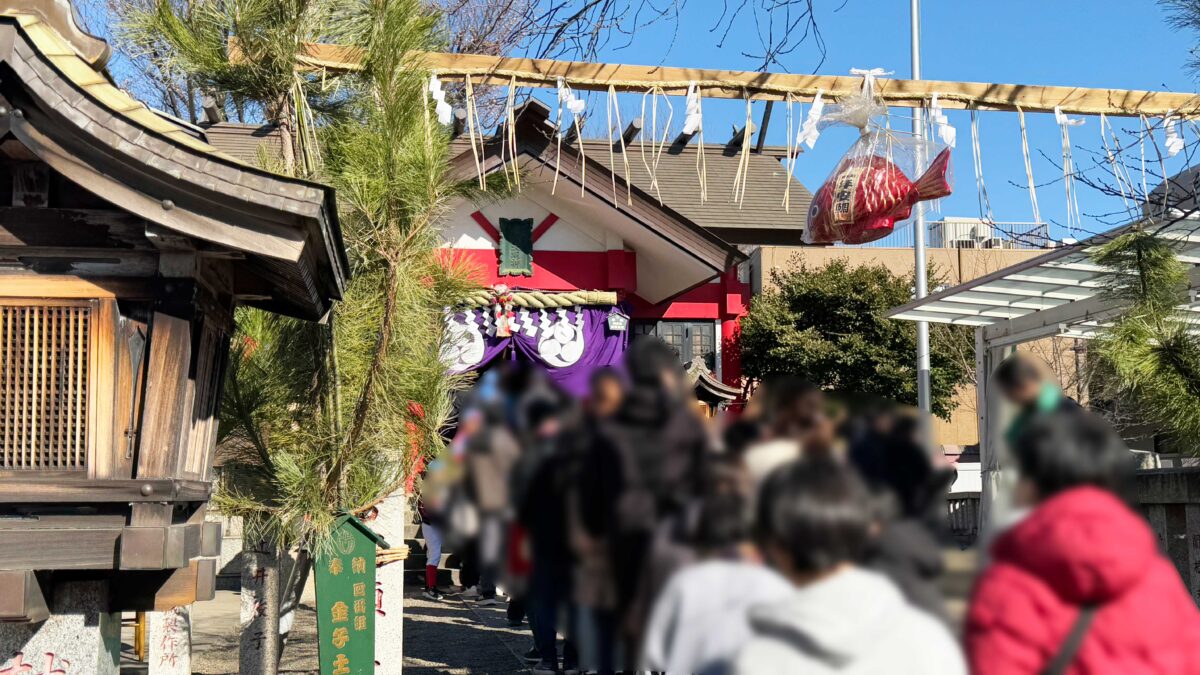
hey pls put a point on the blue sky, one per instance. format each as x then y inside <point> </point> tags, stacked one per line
<point>1094,43</point>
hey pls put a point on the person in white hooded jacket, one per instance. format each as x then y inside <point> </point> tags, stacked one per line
<point>814,520</point>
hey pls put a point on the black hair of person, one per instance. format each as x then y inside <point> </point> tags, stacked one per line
<point>605,374</point>
<point>1062,450</point>
<point>786,392</point>
<point>1015,370</point>
<point>816,510</point>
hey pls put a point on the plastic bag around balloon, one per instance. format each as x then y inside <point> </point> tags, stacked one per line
<point>871,188</point>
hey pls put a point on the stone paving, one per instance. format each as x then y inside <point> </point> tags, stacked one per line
<point>449,637</point>
<point>453,637</point>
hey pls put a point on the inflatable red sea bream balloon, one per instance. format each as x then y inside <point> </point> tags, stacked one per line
<point>868,194</point>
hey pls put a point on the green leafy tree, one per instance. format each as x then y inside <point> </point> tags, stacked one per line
<point>827,324</point>
<point>1148,355</point>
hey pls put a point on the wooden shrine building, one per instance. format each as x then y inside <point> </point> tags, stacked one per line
<point>126,241</point>
<point>591,219</point>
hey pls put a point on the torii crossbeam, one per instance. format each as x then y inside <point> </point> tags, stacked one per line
<point>735,84</point>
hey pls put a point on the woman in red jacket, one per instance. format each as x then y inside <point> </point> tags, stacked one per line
<point>1079,586</point>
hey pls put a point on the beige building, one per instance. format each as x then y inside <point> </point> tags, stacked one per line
<point>951,266</point>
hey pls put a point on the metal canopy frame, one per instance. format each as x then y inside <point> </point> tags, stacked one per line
<point>1060,293</point>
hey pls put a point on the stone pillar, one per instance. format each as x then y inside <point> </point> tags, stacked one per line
<point>170,641</point>
<point>81,635</point>
<point>259,649</point>
<point>389,586</point>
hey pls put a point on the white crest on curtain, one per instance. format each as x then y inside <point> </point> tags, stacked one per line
<point>562,344</point>
<point>463,348</point>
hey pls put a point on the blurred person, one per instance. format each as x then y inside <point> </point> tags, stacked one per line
<point>551,466</point>
<point>593,584</point>
<point>909,494</point>
<point>794,409</point>
<point>1079,584</point>
<point>814,521</point>
<point>646,464</point>
<point>1024,382</point>
<point>436,484</point>
<point>491,454</point>
<point>699,620</point>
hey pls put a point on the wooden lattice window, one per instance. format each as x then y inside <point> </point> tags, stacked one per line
<point>44,373</point>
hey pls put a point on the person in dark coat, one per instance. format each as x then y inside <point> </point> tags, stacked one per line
<point>909,493</point>
<point>647,464</point>
<point>551,464</point>
<point>593,585</point>
<point>1081,552</point>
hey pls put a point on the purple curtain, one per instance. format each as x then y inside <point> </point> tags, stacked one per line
<point>570,344</point>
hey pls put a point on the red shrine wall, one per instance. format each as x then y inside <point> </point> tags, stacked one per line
<point>569,257</point>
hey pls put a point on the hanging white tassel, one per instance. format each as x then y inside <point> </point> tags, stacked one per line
<point>941,124</point>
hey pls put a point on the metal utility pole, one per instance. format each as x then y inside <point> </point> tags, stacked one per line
<point>918,126</point>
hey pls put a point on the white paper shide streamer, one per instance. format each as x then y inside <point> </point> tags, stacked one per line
<point>1074,220</point>
<point>693,119</point>
<point>1174,141</point>
<point>443,109</point>
<point>941,125</point>
<point>810,132</point>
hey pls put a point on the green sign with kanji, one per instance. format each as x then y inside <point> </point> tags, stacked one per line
<point>516,246</point>
<point>345,577</point>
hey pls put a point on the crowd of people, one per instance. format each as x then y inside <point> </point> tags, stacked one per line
<point>802,537</point>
